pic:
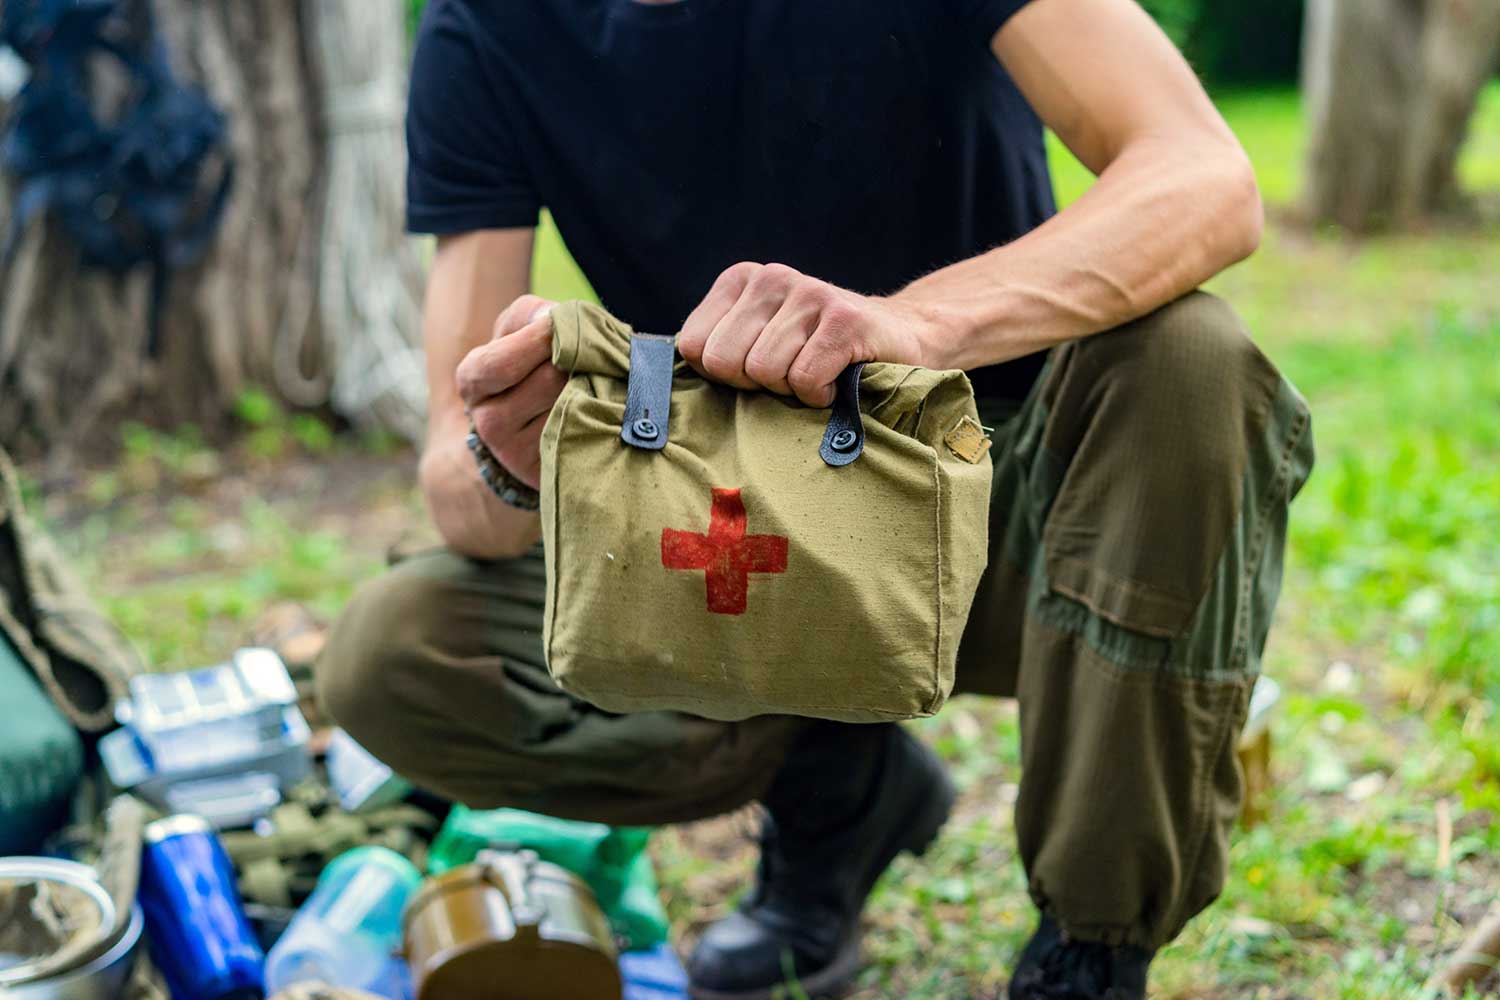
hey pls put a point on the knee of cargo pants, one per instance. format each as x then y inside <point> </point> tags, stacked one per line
<point>416,663</point>
<point>1170,450</point>
<point>436,667</point>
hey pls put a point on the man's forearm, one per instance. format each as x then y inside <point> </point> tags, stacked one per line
<point>474,277</point>
<point>471,519</point>
<point>1162,219</point>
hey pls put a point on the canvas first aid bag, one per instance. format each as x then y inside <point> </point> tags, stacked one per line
<point>729,553</point>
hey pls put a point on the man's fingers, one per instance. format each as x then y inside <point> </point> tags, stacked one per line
<point>825,355</point>
<point>522,454</point>
<point>731,341</point>
<point>771,326</point>
<point>500,364</point>
<point>500,417</point>
<point>770,360</point>
<point>522,312</point>
<point>725,292</point>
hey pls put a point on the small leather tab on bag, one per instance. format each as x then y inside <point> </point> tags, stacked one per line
<point>845,437</point>
<point>968,440</point>
<point>648,395</point>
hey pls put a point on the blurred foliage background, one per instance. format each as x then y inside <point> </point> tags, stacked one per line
<point>1229,43</point>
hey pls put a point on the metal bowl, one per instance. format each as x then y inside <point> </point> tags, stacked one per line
<point>59,976</point>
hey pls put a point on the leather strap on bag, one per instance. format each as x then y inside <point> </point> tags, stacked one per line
<point>648,395</point>
<point>648,402</point>
<point>844,439</point>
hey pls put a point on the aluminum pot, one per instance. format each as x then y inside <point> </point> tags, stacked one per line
<point>60,975</point>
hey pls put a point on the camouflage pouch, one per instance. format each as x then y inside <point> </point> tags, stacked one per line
<point>77,654</point>
<point>731,554</point>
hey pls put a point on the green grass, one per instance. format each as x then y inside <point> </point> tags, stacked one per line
<point>1388,643</point>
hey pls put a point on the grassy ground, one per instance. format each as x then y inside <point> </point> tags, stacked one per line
<point>1388,645</point>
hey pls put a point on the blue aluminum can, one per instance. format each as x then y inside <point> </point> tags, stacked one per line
<point>200,937</point>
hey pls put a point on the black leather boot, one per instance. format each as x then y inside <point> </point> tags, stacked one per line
<point>1055,967</point>
<point>849,799</point>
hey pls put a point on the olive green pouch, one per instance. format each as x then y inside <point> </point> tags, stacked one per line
<point>730,554</point>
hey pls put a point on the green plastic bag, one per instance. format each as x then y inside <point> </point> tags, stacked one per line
<point>41,758</point>
<point>612,860</point>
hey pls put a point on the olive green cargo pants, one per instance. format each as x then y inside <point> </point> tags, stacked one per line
<point>1138,519</point>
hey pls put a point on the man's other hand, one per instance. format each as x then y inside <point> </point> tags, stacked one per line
<point>769,326</point>
<point>508,386</point>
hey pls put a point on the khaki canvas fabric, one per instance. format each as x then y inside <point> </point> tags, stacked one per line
<point>878,560</point>
<point>79,656</point>
<point>1137,521</point>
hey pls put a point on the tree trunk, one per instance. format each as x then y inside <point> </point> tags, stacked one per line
<point>1389,87</point>
<point>371,276</point>
<point>254,311</point>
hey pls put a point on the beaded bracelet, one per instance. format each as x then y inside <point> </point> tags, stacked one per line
<point>499,479</point>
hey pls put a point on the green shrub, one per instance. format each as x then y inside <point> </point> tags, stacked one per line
<point>1234,42</point>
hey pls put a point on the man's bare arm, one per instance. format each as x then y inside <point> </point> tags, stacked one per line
<point>1176,201</point>
<point>474,278</point>
<point>1175,204</point>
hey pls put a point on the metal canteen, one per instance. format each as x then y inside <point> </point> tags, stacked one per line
<point>509,927</point>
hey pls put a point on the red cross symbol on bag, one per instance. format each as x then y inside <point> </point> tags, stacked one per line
<point>726,554</point>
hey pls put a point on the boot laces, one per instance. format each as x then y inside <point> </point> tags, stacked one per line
<point>782,874</point>
<point>1076,970</point>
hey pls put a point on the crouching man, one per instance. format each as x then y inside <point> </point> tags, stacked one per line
<point>795,187</point>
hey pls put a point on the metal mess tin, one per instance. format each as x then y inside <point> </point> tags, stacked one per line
<point>73,919</point>
<point>509,927</point>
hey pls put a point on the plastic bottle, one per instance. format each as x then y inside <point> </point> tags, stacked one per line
<point>655,974</point>
<point>200,937</point>
<point>348,931</point>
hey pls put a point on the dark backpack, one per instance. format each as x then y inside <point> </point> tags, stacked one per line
<point>128,192</point>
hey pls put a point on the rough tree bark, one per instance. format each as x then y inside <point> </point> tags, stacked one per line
<point>254,311</point>
<point>371,278</point>
<point>1389,88</point>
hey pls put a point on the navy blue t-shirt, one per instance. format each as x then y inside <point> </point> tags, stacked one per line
<point>864,142</point>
